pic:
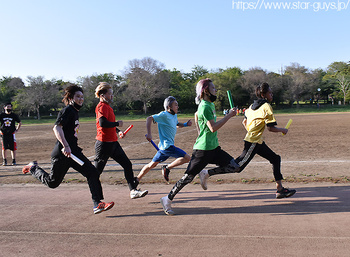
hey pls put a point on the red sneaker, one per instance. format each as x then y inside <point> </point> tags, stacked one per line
<point>28,167</point>
<point>103,207</point>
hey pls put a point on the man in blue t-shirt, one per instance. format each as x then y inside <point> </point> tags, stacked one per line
<point>167,125</point>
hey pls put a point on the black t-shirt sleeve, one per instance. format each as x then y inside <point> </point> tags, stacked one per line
<point>17,119</point>
<point>63,117</point>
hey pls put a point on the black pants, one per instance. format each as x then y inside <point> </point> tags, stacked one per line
<point>60,166</point>
<point>8,141</point>
<point>200,159</point>
<point>249,151</point>
<point>104,150</point>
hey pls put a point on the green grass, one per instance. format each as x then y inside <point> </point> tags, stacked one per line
<point>277,110</point>
<point>312,109</point>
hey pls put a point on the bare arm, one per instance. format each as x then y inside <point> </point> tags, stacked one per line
<point>244,122</point>
<point>275,129</point>
<point>18,126</point>
<point>196,122</point>
<point>57,129</point>
<point>214,126</point>
<point>148,126</point>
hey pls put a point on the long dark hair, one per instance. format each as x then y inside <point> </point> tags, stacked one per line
<point>69,93</point>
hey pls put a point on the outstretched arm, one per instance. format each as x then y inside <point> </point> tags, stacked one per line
<point>186,124</point>
<point>214,126</point>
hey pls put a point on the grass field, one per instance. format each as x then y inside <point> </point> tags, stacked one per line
<point>304,108</point>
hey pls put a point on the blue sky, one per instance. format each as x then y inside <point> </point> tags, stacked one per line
<point>67,39</point>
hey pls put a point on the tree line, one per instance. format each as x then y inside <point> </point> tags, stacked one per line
<point>145,83</point>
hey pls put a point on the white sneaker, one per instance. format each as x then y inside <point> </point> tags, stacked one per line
<point>136,193</point>
<point>203,176</point>
<point>166,203</point>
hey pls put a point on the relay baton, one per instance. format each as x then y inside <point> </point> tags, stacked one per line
<point>288,124</point>
<point>230,99</point>
<point>127,129</point>
<point>155,146</point>
<point>76,159</point>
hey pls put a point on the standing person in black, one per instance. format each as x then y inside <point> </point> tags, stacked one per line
<point>66,131</point>
<point>8,129</point>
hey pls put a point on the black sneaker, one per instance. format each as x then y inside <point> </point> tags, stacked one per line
<point>165,172</point>
<point>14,163</point>
<point>4,162</point>
<point>285,192</point>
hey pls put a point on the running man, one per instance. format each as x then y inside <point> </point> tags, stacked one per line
<point>167,125</point>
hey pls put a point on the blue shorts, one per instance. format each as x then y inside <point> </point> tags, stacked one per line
<point>171,151</point>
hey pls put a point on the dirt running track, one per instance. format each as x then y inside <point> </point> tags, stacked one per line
<point>237,216</point>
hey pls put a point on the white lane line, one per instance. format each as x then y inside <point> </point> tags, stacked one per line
<point>171,235</point>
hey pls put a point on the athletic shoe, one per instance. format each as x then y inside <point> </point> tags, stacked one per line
<point>166,203</point>
<point>4,162</point>
<point>165,172</point>
<point>203,176</point>
<point>285,192</point>
<point>29,166</point>
<point>14,163</point>
<point>103,207</point>
<point>137,193</point>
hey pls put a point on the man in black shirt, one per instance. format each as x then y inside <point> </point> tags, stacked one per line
<point>8,129</point>
<point>66,131</point>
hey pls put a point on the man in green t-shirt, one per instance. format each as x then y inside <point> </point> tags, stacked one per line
<point>206,149</point>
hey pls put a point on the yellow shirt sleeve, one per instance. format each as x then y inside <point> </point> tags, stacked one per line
<point>256,122</point>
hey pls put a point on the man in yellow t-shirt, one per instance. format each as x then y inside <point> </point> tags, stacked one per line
<point>258,116</point>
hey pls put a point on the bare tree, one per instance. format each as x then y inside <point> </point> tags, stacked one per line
<point>89,84</point>
<point>343,84</point>
<point>299,81</point>
<point>146,80</point>
<point>37,94</point>
<point>252,78</point>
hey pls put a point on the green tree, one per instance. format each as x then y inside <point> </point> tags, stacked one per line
<point>338,75</point>
<point>182,89</point>
<point>229,79</point>
<point>197,73</point>
<point>9,87</point>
